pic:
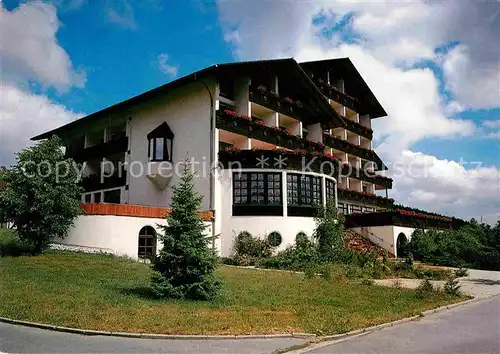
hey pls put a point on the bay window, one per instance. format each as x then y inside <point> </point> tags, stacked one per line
<point>160,143</point>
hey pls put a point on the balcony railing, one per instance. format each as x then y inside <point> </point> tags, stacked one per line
<point>98,181</point>
<point>338,96</point>
<point>98,151</point>
<point>230,121</point>
<point>356,150</point>
<point>284,105</point>
<point>365,198</point>
<point>367,176</point>
<point>358,128</point>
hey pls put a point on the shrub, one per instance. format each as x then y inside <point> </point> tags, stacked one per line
<point>328,233</point>
<point>452,287</point>
<point>367,281</point>
<point>300,256</point>
<point>424,289</point>
<point>461,272</point>
<point>248,249</point>
<point>12,245</point>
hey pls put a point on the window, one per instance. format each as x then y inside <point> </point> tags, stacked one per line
<point>343,208</point>
<point>355,209</point>
<point>97,197</point>
<point>254,189</point>
<point>303,190</point>
<point>112,196</point>
<point>160,142</point>
<point>368,210</point>
<point>88,198</point>
<point>147,242</point>
<point>330,189</point>
<point>257,188</point>
<point>274,239</point>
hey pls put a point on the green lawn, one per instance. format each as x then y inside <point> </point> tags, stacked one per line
<point>108,293</point>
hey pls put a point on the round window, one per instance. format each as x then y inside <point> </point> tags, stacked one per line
<point>274,239</point>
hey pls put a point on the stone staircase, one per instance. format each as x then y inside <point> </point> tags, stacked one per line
<point>357,242</point>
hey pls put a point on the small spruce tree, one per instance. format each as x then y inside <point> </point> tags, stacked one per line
<point>329,233</point>
<point>185,265</point>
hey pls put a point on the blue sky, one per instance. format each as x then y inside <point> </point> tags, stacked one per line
<point>433,65</point>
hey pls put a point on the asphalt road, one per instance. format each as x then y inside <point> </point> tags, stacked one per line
<point>469,329</point>
<point>20,339</point>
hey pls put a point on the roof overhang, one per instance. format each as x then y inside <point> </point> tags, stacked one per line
<point>354,83</point>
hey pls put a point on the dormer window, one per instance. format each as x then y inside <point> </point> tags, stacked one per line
<point>160,142</point>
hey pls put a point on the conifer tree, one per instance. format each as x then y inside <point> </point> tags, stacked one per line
<point>184,268</point>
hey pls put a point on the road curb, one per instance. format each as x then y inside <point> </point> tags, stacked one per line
<point>314,339</point>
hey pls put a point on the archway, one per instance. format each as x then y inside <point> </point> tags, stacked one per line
<point>401,245</point>
<point>147,242</point>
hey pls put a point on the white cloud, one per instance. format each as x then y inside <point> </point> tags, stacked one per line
<point>29,50</point>
<point>390,38</point>
<point>30,53</point>
<point>492,123</point>
<point>25,115</point>
<point>447,186</point>
<point>165,67</point>
<point>122,14</point>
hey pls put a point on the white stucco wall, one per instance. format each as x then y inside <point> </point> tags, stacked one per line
<point>112,234</point>
<point>187,112</point>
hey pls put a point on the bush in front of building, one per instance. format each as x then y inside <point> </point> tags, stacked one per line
<point>329,233</point>
<point>40,194</point>
<point>248,249</point>
<point>185,266</point>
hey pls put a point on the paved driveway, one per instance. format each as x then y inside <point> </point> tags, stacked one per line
<point>470,329</point>
<point>479,283</point>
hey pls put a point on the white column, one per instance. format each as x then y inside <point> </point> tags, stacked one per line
<point>315,133</point>
<point>242,103</point>
<point>284,196</point>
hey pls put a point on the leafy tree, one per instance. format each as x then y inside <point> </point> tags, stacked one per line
<point>328,233</point>
<point>185,265</point>
<point>40,194</point>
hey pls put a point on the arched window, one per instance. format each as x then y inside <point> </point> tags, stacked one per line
<point>160,142</point>
<point>147,242</point>
<point>401,245</point>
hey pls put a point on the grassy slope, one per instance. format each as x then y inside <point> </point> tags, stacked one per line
<point>108,293</point>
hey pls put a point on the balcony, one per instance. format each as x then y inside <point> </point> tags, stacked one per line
<point>334,94</point>
<point>344,145</point>
<point>365,198</point>
<point>271,100</point>
<point>93,182</point>
<point>101,150</point>
<point>358,128</point>
<point>246,126</point>
<point>280,159</point>
<point>364,175</point>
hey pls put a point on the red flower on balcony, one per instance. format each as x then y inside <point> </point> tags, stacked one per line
<point>288,100</point>
<point>259,122</point>
<point>262,88</point>
<point>274,94</point>
<point>246,117</point>
<point>230,113</point>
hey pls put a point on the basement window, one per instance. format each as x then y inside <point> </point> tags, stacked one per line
<point>160,142</point>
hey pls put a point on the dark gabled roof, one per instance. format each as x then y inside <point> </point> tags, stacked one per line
<point>289,65</point>
<point>355,85</point>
